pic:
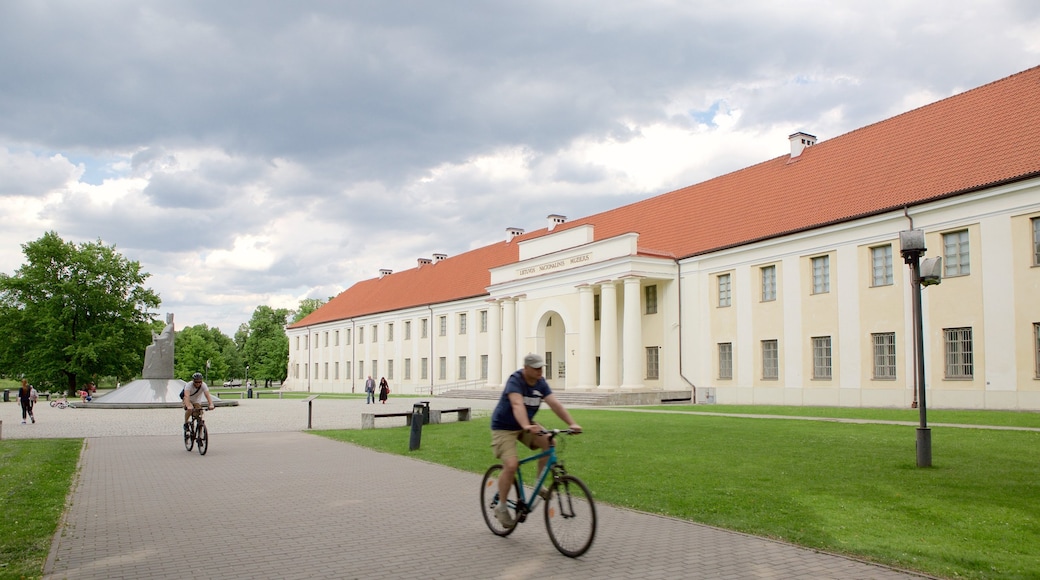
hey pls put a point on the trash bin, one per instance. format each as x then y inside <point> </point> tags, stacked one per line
<point>424,408</point>
<point>249,393</point>
<point>7,395</point>
<point>415,437</point>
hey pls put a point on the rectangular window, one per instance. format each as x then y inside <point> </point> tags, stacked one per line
<point>462,368</point>
<point>595,306</point>
<point>442,368</point>
<point>360,368</point>
<point>336,371</point>
<point>462,323</point>
<point>959,359</point>
<point>390,369</point>
<point>884,355</point>
<point>347,368</point>
<point>651,299</point>
<point>483,320</point>
<point>307,342</point>
<point>408,330</point>
<point>484,366</point>
<point>407,369</point>
<point>375,367</point>
<point>1036,349</point>
<point>424,330</point>
<point>326,338</point>
<point>548,366</point>
<point>348,336</point>
<point>297,343</point>
<point>821,274</point>
<point>768,283</point>
<point>326,369</point>
<point>956,261</point>
<point>424,371</point>
<point>360,335</point>
<point>725,290</point>
<point>375,333</point>
<point>443,326</point>
<point>881,265</point>
<point>1036,241</point>
<point>315,370</point>
<point>821,356</point>
<point>770,360</point>
<point>337,339</point>
<point>390,332</point>
<point>653,362</point>
<point>725,360</point>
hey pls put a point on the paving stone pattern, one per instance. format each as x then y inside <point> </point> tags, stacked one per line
<point>287,504</point>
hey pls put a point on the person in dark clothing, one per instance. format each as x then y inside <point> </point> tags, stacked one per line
<point>27,398</point>
<point>384,390</point>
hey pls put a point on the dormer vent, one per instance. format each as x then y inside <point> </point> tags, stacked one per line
<point>555,220</point>
<point>439,257</point>
<point>799,142</point>
<point>512,233</point>
<point>424,262</point>
<point>385,272</point>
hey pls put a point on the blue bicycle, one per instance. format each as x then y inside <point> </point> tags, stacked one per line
<point>570,514</point>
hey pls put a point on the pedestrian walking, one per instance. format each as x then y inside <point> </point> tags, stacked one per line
<point>384,390</point>
<point>370,391</point>
<point>27,397</point>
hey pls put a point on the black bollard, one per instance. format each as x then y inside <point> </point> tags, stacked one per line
<point>416,434</point>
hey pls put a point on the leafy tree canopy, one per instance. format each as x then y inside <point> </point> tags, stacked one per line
<point>72,313</point>
<point>307,305</point>
<point>203,349</point>
<point>266,345</point>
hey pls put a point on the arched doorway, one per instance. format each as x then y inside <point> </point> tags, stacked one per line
<point>552,344</point>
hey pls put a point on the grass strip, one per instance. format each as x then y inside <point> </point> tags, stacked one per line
<point>846,488</point>
<point>35,479</point>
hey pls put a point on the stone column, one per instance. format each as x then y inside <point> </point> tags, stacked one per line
<point>632,335</point>
<point>494,344</point>
<point>608,336</point>
<point>586,338</point>
<point>508,339</point>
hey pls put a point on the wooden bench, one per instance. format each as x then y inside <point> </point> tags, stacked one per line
<point>464,414</point>
<point>368,420</point>
<point>256,393</point>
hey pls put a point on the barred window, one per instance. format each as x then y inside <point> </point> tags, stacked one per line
<point>725,360</point>
<point>956,260</point>
<point>884,355</point>
<point>443,322</point>
<point>821,274</point>
<point>770,359</point>
<point>881,265</point>
<point>768,283</point>
<point>483,320</point>
<point>653,362</point>
<point>651,299</point>
<point>821,346</point>
<point>959,357</point>
<point>725,290</point>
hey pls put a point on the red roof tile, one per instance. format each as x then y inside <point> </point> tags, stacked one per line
<point>982,137</point>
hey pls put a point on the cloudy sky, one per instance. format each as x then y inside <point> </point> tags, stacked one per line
<point>250,153</point>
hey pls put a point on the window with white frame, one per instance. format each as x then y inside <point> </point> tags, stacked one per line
<point>389,331</point>
<point>768,283</point>
<point>375,333</point>
<point>361,368</point>
<point>375,367</point>
<point>424,329</point>
<point>725,360</point>
<point>884,355</point>
<point>959,353</point>
<point>390,369</point>
<point>360,334</point>
<point>484,366</point>
<point>821,349</point>
<point>424,370</point>
<point>956,258</point>
<point>336,371</point>
<point>315,370</point>
<point>653,362</point>
<point>348,336</point>
<point>483,320</point>
<point>408,330</point>
<point>821,274</point>
<point>326,338</point>
<point>881,265</point>
<point>297,343</point>
<point>770,360</point>
<point>443,322</point>
<point>462,368</point>
<point>725,290</point>
<point>407,369</point>
<point>442,368</point>
<point>326,369</point>
<point>337,338</point>
<point>462,323</point>
<point>1036,241</point>
<point>346,367</point>
<point>650,293</point>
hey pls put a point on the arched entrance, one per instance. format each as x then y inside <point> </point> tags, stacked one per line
<point>552,344</point>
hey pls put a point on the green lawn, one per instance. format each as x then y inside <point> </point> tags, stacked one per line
<point>35,478</point>
<point>846,488</point>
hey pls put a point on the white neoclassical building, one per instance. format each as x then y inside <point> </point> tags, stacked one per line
<point>781,283</point>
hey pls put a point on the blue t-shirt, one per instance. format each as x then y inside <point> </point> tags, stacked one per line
<point>502,418</point>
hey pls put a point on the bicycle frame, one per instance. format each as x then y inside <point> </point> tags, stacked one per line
<point>550,466</point>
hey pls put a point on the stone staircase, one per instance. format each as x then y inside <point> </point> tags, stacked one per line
<point>585,399</point>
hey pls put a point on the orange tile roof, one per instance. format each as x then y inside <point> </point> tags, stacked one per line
<point>976,139</point>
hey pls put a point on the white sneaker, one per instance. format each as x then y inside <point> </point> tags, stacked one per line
<point>503,517</point>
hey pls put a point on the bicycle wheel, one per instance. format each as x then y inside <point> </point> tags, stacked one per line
<point>489,500</point>
<point>189,435</point>
<point>570,516</point>
<point>203,439</point>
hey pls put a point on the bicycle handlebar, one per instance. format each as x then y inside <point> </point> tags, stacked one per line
<point>555,432</point>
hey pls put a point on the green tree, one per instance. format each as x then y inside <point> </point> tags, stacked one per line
<point>266,345</point>
<point>307,305</point>
<point>202,349</point>
<point>73,313</point>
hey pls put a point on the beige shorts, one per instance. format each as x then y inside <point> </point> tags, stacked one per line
<point>504,442</point>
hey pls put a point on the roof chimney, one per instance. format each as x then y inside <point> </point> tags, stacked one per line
<point>385,272</point>
<point>555,220</point>
<point>512,233</point>
<point>439,257</point>
<point>799,142</point>
<point>424,261</point>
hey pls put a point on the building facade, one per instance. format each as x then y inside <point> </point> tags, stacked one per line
<point>782,283</point>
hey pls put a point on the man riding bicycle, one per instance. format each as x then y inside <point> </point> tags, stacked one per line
<point>513,420</point>
<point>194,394</point>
